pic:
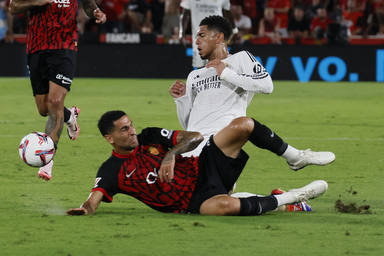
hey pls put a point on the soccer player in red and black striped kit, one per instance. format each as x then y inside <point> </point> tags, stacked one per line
<point>52,52</point>
<point>149,167</point>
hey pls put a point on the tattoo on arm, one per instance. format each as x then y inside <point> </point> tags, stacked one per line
<point>186,141</point>
<point>86,205</point>
<point>92,202</point>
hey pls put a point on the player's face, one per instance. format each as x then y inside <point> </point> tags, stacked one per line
<point>123,136</point>
<point>206,41</point>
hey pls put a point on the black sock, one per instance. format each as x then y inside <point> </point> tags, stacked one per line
<point>67,114</point>
<point>264,138</point>
<point>256,205</point>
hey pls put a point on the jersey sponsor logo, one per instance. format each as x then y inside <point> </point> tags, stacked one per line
<point>130,174</point>
<point>64,79</point>
<point>153,151</point>
<point>62,3</point>
<point>166,133</point>
<point>97,182</point>
<point>212,82</point>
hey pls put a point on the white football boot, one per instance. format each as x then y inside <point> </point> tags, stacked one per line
<point>45,172</point>
<point>308,157</point>
<point>312,190</point>
<point>73,128</point>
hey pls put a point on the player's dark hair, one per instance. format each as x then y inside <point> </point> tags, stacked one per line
<point>218,23</point>
<point>105,123</point>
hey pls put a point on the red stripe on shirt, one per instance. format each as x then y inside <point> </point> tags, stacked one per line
<point>174,137</point>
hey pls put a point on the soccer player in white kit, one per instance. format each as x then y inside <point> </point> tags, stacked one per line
<point>221,91</point>
<point>196,10</point>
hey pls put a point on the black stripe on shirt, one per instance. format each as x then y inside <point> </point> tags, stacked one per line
<point>251,56</point>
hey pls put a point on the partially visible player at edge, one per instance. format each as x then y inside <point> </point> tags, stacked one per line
<point>52,53</point>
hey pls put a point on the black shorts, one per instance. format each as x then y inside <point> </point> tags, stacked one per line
<point>57,66</point>
<point>217,174</point>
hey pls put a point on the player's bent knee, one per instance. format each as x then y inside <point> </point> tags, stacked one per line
<point>242,124</point>
<point>228,206</point>
<point>55,103</point>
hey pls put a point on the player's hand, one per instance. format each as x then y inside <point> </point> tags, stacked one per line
<point>77,211</point>
<point>100,17</point>
<point>166,172</point>
<point>218,65</point>
<point>177,89</point>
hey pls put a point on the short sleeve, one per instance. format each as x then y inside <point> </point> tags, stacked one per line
<point>106,182</point>
<point>155,135</point>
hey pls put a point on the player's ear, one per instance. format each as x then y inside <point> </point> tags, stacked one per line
<point>220,37</point>
<point>109,138</point>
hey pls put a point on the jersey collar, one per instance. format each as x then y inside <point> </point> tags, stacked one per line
<point>121,155</point>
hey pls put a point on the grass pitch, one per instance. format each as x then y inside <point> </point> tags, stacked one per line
<point>346,118</point>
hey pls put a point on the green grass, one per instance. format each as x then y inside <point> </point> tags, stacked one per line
<point>346,118</point>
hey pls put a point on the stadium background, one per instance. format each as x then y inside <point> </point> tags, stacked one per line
<point>346,45</point>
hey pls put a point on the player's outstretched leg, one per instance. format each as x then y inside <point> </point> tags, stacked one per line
<point>265,138</point>
<point>294,207</point>
<point>54,125</point>
<point>256,205</point>
<point>73,128</point>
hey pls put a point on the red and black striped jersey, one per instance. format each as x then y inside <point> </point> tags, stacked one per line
<point>136,174</point>
<point>52,26</point>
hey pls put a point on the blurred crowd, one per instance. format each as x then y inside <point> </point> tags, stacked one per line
<point>333,20</point>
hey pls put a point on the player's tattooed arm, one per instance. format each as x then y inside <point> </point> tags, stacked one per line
<point>186,141</point>
<point>20,6</point>
<point>89,206</point>
<point>93,11</point>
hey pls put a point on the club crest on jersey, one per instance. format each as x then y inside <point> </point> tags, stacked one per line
<point>153,151</point>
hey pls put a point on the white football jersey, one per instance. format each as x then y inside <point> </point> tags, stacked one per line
<point>212,102</point>
<point>199,10</point>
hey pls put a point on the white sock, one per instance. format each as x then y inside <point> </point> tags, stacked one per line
<point>291,154</point>
<point>285,198</point>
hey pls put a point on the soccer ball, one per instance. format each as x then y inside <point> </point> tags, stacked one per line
<point>36,149</point>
